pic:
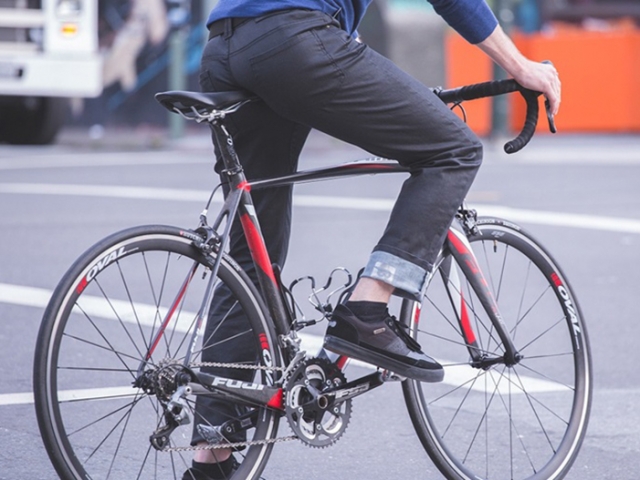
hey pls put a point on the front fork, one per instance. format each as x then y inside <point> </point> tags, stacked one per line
<point>460,249</point>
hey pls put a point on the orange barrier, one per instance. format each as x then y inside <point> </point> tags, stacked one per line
<point>599,70</point>
<point>466,64</point>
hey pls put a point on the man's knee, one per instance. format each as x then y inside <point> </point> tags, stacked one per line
<point>471,153</point>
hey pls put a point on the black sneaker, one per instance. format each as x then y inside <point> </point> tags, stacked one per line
<point>212,471</point>
<point>385,344</point>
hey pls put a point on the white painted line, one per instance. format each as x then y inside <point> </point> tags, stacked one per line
<point>146,315</point>
<point>71,160</point>
<point>16,399</point>
<point>109,191</point>
<point>72,395</point>
<point>556,219</point>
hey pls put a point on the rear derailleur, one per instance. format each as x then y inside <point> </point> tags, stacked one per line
<point>168,382</point>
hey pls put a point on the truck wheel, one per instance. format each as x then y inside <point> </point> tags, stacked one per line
<point>33,120</point>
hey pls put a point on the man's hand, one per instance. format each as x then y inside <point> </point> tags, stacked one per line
<point>541,77</point>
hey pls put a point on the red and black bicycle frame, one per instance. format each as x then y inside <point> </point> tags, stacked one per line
<point>238,202</point>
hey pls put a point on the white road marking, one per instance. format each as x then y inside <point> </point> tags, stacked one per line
<point>72,160</point>
<point>73,395</point>
<point>146,315</point>
<point>556,219</point>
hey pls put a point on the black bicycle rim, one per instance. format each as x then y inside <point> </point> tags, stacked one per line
<point>94,423</point>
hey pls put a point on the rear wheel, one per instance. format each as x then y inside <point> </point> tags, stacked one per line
<point>500,422</point>
<point>98,327</point>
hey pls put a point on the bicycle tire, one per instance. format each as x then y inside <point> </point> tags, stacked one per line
<point>526,421</point>
<point>93,335</point>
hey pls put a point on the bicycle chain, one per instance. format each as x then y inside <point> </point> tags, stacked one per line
<point>242,366</point>
<point>250,443</point>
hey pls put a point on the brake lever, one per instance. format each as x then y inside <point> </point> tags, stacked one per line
<point>550,119</point>
<point>547,107</point>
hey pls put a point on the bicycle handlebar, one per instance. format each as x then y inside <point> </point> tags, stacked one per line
<point>500,87</point>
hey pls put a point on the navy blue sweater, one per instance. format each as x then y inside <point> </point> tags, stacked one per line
<point>473,19</point>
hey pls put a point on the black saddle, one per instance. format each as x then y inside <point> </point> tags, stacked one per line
<point>202,102</point>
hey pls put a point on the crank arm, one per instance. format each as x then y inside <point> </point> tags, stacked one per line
<point>354,388</point>
<point>219,434</point>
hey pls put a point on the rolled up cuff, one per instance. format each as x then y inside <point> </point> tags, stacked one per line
<point>409,279</point>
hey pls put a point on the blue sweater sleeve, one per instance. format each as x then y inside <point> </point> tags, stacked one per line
<point>473,19</point>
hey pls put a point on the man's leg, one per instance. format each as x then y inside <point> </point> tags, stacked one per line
<point>267,145</point>
<point>321,77</point>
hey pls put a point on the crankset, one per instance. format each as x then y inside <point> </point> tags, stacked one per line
<point>316,419</point>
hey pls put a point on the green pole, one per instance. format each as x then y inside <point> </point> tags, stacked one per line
<point>500,111</point>
<point>177,77</point>
<point>177,56</point>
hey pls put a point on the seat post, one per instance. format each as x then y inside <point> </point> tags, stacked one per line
<point>232,166</point>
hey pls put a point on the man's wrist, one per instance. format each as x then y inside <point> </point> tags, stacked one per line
<point>504,52</point>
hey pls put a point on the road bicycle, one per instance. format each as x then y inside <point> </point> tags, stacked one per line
<point>118,365</point>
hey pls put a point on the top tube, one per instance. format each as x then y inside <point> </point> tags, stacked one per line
<point>369,166</point>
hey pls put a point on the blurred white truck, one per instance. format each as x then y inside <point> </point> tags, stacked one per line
<point>48,53</point>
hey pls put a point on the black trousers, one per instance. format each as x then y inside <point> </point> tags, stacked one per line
<point>311,74</point>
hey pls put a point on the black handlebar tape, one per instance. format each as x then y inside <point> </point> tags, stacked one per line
<point>499,87</point>
<point>480,90</point>
<point>530,123</point>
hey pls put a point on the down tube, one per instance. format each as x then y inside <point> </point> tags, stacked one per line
<point>461,251</point>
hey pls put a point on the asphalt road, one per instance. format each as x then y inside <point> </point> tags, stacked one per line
<point>578,195</point>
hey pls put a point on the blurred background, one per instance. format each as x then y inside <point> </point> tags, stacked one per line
<point>96,64</point>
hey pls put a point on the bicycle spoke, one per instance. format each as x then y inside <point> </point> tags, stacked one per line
<point>455,328</point>
<point>124,427</point>
<point>156,301</point>
<point>472,308</point>
<point>464,399</point>
<point>512,425</point>
<point>550,355</point>
<point>132,304</point>
<point>102,347</point>
<point>546,377</point>
<point>104,417</point>
<point>535,412</point>
<point>95,369</point>
<point>118,317</point>
<point>112,349</point>
<point>113,429</point>
<point>546,331</point>
<point>513,330</point>
<point>481,422</point>
<point>521,304</point>
<point>208,340</point>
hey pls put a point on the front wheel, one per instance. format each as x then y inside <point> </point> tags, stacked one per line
<point>95,414</point>
<point>525,421</point>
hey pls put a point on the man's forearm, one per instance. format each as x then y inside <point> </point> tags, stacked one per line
<point>503,51</point>
<point>536,76</point>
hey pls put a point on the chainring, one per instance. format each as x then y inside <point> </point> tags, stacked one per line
<point>315,418</point>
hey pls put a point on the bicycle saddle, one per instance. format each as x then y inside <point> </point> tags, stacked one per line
<point>184,101</point>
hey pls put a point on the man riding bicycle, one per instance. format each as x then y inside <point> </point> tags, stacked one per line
<point>303,59</point>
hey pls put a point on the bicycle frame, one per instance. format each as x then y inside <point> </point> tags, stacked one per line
<point>239,203</point>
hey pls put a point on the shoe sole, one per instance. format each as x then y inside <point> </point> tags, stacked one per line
<point>342,347</point>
